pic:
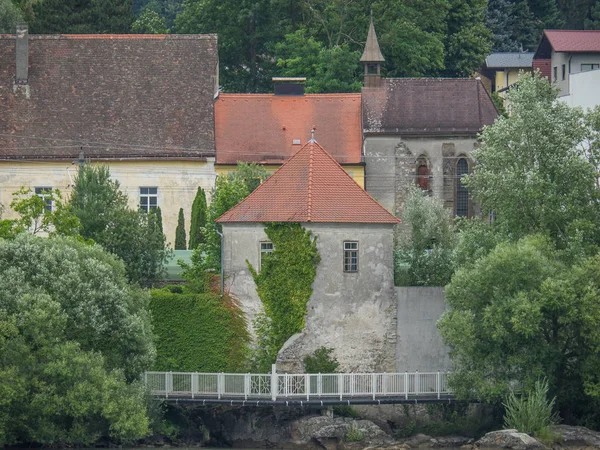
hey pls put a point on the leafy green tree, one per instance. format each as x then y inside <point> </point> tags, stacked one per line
<point>36,217</point>
<point>10,15</point>
<point>158,213</point>
<point>167,9</point>
<point>251,174</point>
<point>73,336</point>
<point>134,236</point>
<point>468,40</point>
<point>519,314</point>
<point>326,70</point>
<point>424,253</point>
<point>532,170</point>
<point>592,22</point>
<point>180,232</point>
<point>149,22</point>
<point>198,218</point>
<point>82,16</point>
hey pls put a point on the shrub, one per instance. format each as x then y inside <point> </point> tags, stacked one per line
<point>321,361</point>
<point>354,434</point>
<point>531,413</point>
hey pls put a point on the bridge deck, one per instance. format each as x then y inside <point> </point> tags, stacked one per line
<point>301,389</point>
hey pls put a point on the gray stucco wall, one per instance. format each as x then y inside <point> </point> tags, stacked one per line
<point>419,345</point>
<point>391,167</point>
<point>353,313</point>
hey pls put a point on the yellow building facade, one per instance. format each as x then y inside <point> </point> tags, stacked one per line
<point>176,183</point>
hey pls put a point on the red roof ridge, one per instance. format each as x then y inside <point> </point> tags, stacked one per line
<point>115,36</point>
<point>310,179</point>
<point>293,97</point>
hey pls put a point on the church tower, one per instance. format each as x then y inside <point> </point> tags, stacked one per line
<point>372,59</point>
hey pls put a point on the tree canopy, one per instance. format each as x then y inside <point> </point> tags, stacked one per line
<point>74,337</point>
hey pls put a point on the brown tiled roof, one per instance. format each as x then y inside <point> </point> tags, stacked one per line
<point>427,106</point>
<point>262,127</point>
<point>574,40</point>
<point>112,96</point>
<point>309,187</point>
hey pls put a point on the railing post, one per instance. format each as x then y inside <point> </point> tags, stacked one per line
<point>341,385</point>
<point>194,383</point>
<point>274,382</point>
<point>406,385</point>
<point>166,385</point>
<point>307,386</point>
<point>320,385</point>
<point>220,383</point>
<point>417,384</point>
<point>439,386</point>
<point>373,384</point>
<point>246,385</point>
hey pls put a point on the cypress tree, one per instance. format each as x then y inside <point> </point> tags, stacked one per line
<point>158,213</point>
<point>180,232</point>
<point>198,219</point>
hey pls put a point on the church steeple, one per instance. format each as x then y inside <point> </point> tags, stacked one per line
<point>372,58</point>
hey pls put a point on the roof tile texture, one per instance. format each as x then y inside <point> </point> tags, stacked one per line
<point>427,106</point>
<point>574,40</point>
<point>309,187</point>
<point>262,127</point>
<point>114,95</point>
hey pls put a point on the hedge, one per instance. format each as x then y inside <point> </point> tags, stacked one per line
<point>198,333</point>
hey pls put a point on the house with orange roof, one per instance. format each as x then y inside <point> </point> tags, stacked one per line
<point>352,308</point>
<point>269,128</point>
<point>141,104</point>
<point>571,60</point>
<point>420,131</point>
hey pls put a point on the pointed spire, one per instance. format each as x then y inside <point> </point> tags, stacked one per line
<point>312,135</point>
<point>372,52</point>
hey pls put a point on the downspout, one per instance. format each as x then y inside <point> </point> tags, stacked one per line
<point>222,260</point>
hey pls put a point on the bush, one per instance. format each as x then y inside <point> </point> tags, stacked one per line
<point>354,434</point>
<point>531,413</point>
<point>321,361</point>
<point>198,332</point>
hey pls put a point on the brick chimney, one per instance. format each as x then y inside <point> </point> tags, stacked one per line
<point>22,54</point>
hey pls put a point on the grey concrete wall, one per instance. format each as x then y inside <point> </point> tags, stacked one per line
<point>353,313</point>
<point>419,345</point>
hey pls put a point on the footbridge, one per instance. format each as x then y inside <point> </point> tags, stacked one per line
<point>300,389</point>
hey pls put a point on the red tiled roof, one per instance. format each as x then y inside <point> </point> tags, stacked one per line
<point>574,40</point>
<point>427,106</point>
<point>309,187</point>
<point>262,127</point>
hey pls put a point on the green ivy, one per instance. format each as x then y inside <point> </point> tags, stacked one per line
<point>284,286</point>
<point>198,332</point>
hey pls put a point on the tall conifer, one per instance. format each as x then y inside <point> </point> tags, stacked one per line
<point>198,219</point>
<point>180,232</point>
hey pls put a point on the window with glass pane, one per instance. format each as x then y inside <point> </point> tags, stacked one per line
<point>462,195</point>
<point>350,256</point>
<point>45,193</point>
<point>148,198</point>
<point>588,67</point>
<point>266,248</point>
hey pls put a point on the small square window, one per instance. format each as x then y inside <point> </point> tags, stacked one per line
<point>350,256</point>
<point>46,194</point>
<point>266,248</point>
<point>148,198</point>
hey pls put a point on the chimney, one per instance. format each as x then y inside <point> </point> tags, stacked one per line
<point>289,85</point>
<point>22,50</point>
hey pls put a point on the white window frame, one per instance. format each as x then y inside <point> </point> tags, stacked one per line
<point>264,248</point>
<point>350,248</point>
<point>146,192</point>
<point>44,192</point>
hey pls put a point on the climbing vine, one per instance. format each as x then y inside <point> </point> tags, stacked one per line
<point>284,285</point>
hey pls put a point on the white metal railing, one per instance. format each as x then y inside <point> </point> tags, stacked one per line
<point>297,386</point>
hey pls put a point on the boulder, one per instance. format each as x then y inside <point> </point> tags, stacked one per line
<point>509,439</point>
<point>577,436</point>
<point>323,428</point>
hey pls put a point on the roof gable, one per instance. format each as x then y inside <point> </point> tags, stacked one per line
<point>427,106</point>
<point>309,187</point>
<point>573,41</point>
<point>112,96</point>
<point>266,128</point>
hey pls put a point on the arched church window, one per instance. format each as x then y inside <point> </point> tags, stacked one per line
<point>462,194</point>
<point>423,175</point>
